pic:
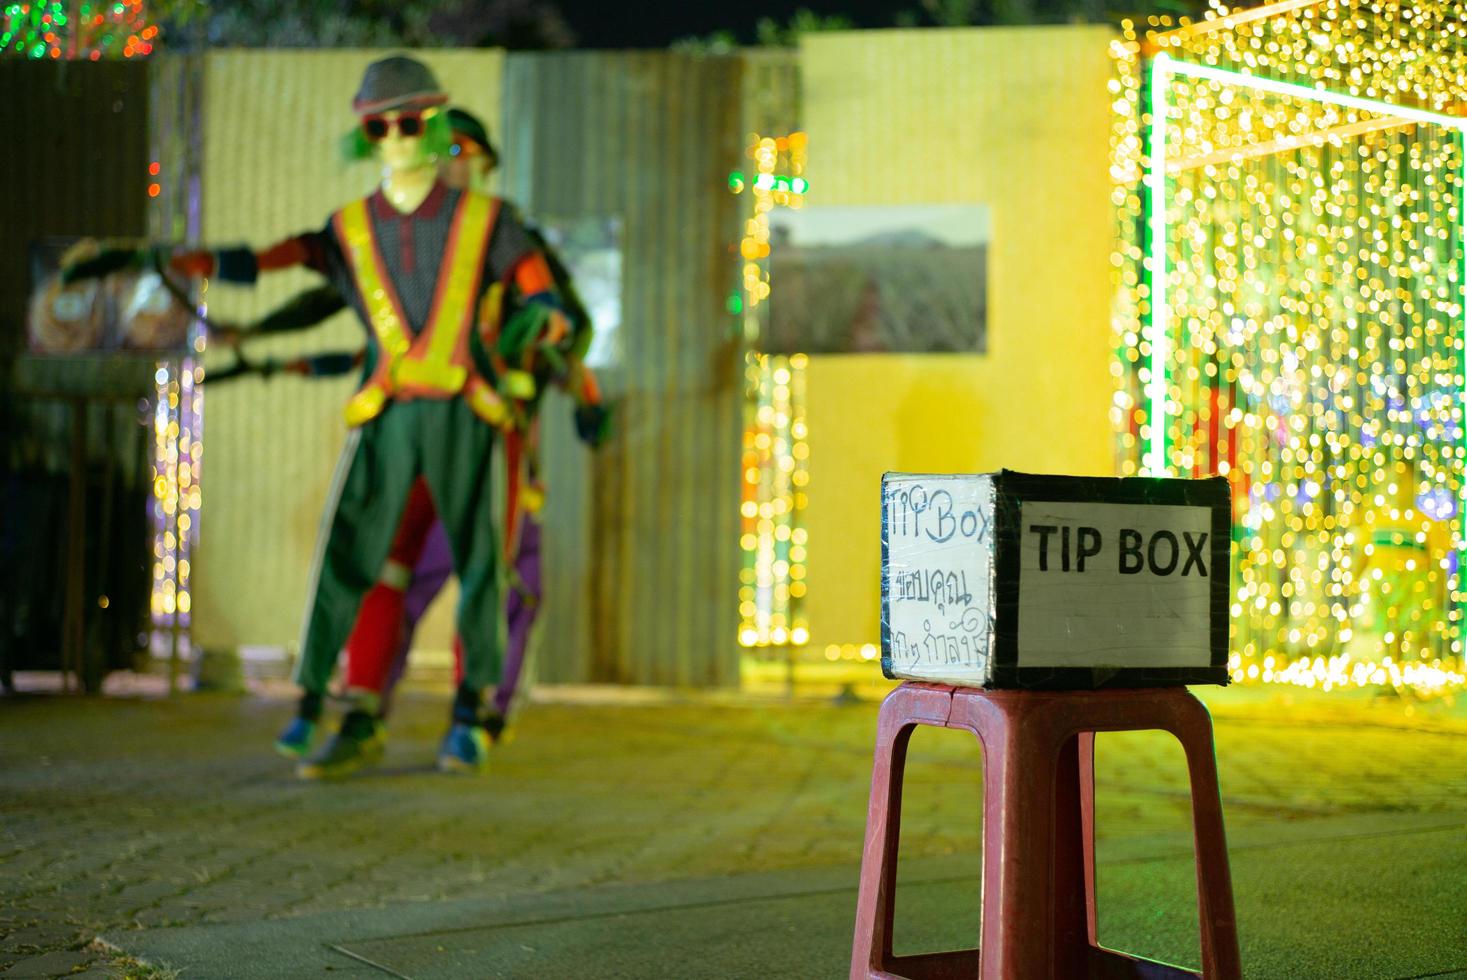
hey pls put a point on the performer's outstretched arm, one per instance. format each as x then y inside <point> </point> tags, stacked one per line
<point>243,265</point>
<point>233,264</point>
<point>301,312</point>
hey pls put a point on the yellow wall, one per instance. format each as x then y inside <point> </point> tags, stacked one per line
<point>271,168</point>
<point>1017,119</point>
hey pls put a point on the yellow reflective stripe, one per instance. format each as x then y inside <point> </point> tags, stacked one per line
<point>354,228</point>
<point>366,404</point>
<point>518,384</point>
<point>486,404</point>
<point>489,309</point>
<point>438,375</point>
<point>452,314</point>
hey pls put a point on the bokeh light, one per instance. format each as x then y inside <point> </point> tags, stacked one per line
<point>1290,315</point>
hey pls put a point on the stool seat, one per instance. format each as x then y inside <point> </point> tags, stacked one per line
<point>1039,911</point>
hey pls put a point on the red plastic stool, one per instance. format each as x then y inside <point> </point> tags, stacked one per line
<point>1038,833</point>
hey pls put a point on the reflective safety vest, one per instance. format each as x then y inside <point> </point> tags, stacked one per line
<point>435,363</point>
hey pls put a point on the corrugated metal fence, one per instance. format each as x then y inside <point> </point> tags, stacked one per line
<point>645,593</point>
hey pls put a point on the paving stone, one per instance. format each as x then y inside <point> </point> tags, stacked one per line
<point>146,893</point>
<point>153,918</point>
<point>49,965</point>
<point>173,812</point>
<point>38,936</point>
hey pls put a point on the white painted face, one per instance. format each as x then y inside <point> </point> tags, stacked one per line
<point>397,150</point>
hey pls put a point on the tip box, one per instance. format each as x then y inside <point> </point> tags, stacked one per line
<point>1016,580</point>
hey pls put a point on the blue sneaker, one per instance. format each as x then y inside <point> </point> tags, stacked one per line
<point>295,741</point>
<point>359,743</point>
<point>465,749</point>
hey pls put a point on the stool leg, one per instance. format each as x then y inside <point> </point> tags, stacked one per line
<point>1086,742</point>
<point>1073,873</point>
<point>1019,761</point>
<point>875,907</point>
<point>1220,957</point>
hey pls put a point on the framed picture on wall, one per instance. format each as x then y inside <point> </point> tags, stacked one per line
<point>883,279</point>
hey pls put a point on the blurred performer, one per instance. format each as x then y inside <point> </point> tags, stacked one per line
<point>422,264</point>
<point>420,561</point>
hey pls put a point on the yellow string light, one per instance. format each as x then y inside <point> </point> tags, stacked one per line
<point>1311,305</point>
<point>772,537</point>
<point>177,460</point>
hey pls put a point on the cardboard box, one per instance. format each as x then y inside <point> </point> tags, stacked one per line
<point>1017,580</point>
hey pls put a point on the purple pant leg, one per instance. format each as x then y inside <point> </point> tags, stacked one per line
<point>429,576</point>
<point>522,605</point>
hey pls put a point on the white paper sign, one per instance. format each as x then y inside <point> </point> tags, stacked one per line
<point>1114,584</point>
<point>939,539</point>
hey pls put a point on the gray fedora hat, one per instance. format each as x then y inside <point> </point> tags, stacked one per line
<point>397,82</point>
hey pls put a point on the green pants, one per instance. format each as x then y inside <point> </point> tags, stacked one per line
<point>451,448</point>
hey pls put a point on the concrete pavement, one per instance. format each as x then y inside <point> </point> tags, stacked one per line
<point>688,837</point>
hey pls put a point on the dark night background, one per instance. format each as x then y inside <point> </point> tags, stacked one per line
<point>589,24</point>
<point>660,22</point>
<point>657,23</point>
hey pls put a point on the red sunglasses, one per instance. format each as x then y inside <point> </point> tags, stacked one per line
<point>409,124</point>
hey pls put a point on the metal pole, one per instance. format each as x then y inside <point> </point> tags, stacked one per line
<point>73,633</point>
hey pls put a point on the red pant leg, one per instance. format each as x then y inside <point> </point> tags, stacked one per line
<point>378,630</point>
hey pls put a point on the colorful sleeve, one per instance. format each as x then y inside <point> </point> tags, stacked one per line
<point>536,318</point>
<point>241,264</point>
<point>304,310</point>
<point>510,244</point>
<point>329,364</point>
<point>545,322</point>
